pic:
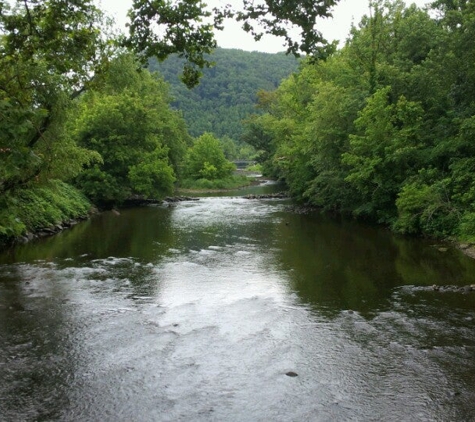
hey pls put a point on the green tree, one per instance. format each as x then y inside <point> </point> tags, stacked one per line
<point>206,160</point>
<point>229,148</point>
<point>330,124</point>
<point>48,53</point>
<point>384,153</point>
<point>425,207</point>
<point>152,176</point>
<point>140,139</point>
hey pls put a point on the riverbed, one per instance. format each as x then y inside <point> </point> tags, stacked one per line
<point>232,309</point>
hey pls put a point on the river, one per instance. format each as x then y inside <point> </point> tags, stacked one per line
<point>230,309</point>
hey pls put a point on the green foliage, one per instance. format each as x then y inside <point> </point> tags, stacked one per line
<point>275,17</point>
<point>48,52</point>
<point>466,228</point>
<point>206,160</point>
<point>384,154</point>
<point>101,187</point>
<point>247,152</point>
<point>260,135</point>
<point>153,176</point>
<point>256,168</point>
<point>11,226</point>
<point>229,147</point>
<point>227,92</point>
<point>330,122</point>
<point>129,122</point>
<point>38,207</point>
<point>384,128</point>
<point>427,209</point>
<point>180,30</point>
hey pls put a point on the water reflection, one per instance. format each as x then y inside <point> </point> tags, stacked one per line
<point>341,265</point>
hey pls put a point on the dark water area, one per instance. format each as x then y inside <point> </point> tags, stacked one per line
<point>202,310</point>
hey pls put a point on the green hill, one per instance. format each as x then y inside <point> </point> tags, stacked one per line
<point>227,92</point>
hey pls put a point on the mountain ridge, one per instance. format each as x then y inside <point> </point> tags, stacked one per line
<point>227,92</point>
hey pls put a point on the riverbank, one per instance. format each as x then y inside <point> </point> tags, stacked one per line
<point>43,212</point>
<point>48,209</point>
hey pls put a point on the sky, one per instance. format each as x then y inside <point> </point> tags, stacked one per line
<point>338,28</point>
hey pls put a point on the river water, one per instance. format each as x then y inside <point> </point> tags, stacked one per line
<point>230,309</point>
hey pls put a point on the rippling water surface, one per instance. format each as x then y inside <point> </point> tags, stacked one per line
<point>201,311</point>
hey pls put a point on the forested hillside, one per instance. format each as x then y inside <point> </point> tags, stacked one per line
<point>227,92</point>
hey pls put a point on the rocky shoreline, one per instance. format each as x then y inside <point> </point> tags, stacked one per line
<point>52,230</point>
<point>448,288</point>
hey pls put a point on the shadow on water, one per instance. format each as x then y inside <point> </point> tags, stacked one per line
<point>338,265</point>
<point>144,233</point>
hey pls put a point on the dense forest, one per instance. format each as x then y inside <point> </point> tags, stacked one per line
<point>227,92</point>
<point>384,129</point>
<point>381,129</point>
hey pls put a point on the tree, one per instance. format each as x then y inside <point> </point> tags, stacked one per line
<point>48,53</point>
<point>384,153</point>
<point>206,160</point>
<point>129,122</point>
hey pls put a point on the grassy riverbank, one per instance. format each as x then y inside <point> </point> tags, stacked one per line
<point>26,212</point>
<point>40,210</point>
<point>47,209</point>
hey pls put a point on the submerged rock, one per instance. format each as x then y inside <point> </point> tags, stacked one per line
<point>452,288</point>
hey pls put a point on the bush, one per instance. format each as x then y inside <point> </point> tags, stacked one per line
<point>466,229</point>
<point>206,160</point>
<point>426,209</point>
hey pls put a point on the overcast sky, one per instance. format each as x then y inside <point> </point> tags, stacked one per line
<point>338,28</point>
